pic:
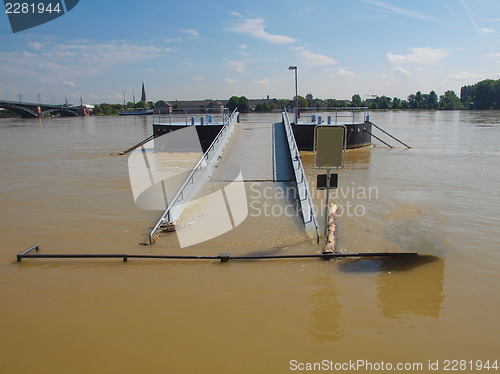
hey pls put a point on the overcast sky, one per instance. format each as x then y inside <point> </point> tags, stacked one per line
<point>215,49</point>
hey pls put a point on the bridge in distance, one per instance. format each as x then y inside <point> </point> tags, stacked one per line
<point>37,110</point>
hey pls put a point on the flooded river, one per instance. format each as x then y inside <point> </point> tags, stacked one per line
<point>64,186</point>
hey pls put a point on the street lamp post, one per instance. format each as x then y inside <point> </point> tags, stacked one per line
<point>296,95</point>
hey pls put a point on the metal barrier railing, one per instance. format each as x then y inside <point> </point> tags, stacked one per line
<point>223,257</point>
<point>306,203</point>
<point>344,115</point>
<point>190,116</point>
<point>201,171</point>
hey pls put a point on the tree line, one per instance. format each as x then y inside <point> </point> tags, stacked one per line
<point>105,109</point>
<point>482,95</point>
<point>430,101</point>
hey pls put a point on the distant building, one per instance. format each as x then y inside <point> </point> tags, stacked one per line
<point>189,105</point>
<point>163,107</point>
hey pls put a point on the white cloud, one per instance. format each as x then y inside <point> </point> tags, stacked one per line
<point>243,46</point>
<point>170,40</point>
<point>69,84</point>
<point>230,81</point>
<point>189,63</point>
<point>393,9</point>
<point>77,58</point>
<point>419,56</point>
<point>198,78</point>
<point>36,45</point>
<point>236,66</point>
<point>493,55</point>
<point>403,72</point>
<point>486,30</point>
<point>342,73</point>
<point>466,76</point>
<point>310,58</point>
<point>191,32</point>
<point>265,82</point>
<point>256,28</point>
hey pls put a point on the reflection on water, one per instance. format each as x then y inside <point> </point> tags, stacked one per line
<point>325,310</point>
<point>420,294</point>
<point>405,285</point>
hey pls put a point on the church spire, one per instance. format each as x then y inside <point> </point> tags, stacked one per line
<point>143,97</point>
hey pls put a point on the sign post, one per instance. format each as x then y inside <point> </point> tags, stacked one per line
<point>329,153</point>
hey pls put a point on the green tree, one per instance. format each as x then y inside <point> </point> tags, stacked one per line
<point>141,105</point>
<point>405,105</point>
<point>284,102</point>
<point>108,110</point>
<point>484,97</point>
<point>302,101</point>
<point>496,93</point>
<point>383,102</point>
<point>238,102</point>
<point>97,110</point>
<point>450,101</point>
<point>262,107</point>
<point>333,103</point>
<point>419,99</point>
<point>356,100</point>
<point>396,103</point>
<point>243,105</point>
<point>432,100</point>
<point>467,95</point>
<point>412,103</point>
<point>232,104</point>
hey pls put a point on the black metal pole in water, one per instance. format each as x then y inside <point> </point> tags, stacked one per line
<point>223,257</point>
<point>385,132</point>
<point>142,142</point>
<point>376,137</point>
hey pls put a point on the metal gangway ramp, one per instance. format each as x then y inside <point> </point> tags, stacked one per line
<point>247,152</point>
<point>198,176</point>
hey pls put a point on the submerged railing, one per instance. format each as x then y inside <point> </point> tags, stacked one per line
<point>223,257</point>
<point>306,203</point>
<point>332,116</point>
<point>191,116</point>
<point>201,172</point>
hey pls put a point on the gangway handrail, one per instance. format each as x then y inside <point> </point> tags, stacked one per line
<point>209,159</point>
<point>300,173</point>
<point>183,114</point>
<point>338,112</point>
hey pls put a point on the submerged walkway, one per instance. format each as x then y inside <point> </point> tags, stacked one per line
<point>258,160</point>
<point>260,151</point>
<point>254,179</point>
